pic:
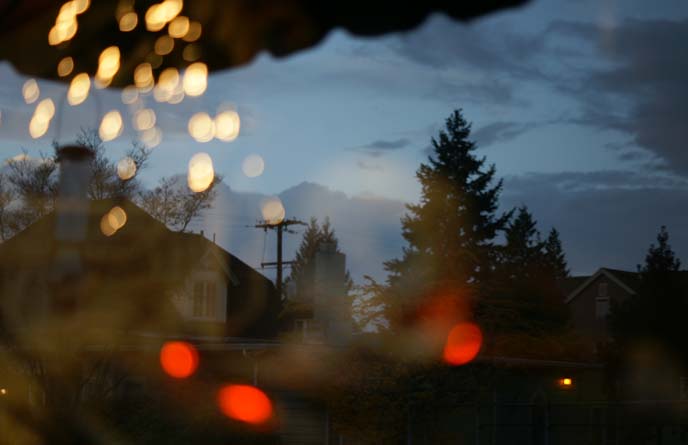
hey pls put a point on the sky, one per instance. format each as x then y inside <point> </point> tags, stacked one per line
<point>581,105</point>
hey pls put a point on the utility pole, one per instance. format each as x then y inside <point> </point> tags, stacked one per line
<point>281,227</point>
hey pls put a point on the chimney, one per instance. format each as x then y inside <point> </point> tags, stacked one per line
<point>71,207</point>
<point>332,305</point>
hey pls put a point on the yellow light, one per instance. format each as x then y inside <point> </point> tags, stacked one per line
<point>178,27</point>
<point>110,126</point>
<point>566,382</point>
<point>164,45</point>
<point>177,95</point>
<point>196,79</point>
<point>45,110</point>
<point>201,173</point>
<point>30,91</point>
<point>227,124</point>
<point>105,225</point>
<point>194,32</point>
<point>143,76</point>
<point>191,53</point>
<point>126,168</point>
<point>81,5</point>
<point>65,67</point>
<point>128,22</point>
<point>169,79</point>
<point>201,127</point>
<point>171,9</point>
<point>3,391</point>
<point>38,127</point>
<point>130,94</point>
<point>253,166</point>
<point>117,217</point>
<point>151,137</point>
<point>108,65</point>
<point>273,211</point>
<point>144,119</point>
<point>155,18</point>
<point>78,89</point>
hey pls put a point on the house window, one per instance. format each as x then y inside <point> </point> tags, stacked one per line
<point>204,299</point>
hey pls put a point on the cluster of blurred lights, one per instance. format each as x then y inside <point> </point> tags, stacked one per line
<point>244,403</point>
<point>66,24</point>
<point>42,115</point>
<point>225,126</point>
<point>113,220</point>
<point>108,65</point>
<point>160,14</point>
<point>169,87</point>
<point>201,172</point>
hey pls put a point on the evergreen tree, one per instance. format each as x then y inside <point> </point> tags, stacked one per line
<point>656,312</point>
<point>523,252</point>
<point>555,259</point>
<point>450,233</point>
<point>525,297</point>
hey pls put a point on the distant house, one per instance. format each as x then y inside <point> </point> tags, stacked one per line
<point>153,278</point>
<point>589,299</point>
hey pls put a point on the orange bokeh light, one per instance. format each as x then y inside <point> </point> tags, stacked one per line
<point>245,403</point>
<point>463,344</point>
<point>179,359</point>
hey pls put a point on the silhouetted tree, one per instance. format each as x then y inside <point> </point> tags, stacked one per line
<point>655,314</point>
<point>451,231</point>
<point>555,259</point>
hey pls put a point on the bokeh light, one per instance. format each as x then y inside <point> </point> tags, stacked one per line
<point>128,21</point>
<point>194,32</point>
<point>38,127</point>
<point>144,119</point>
<point>65,67</point>
<point>191,53</point>
<point>253,166</point>
<point>179,359</point>
<point>164,45</point>
<point>110,126</point>
<point>78,89</point>
<point>130,95</point>
<point>30,91</point>
<point>108,65</point>
<point>45,110</point>
<point>227,125</point>
<point>143,77</point>
<point>117,217</point>
<point>245,403</point>
<point>201,127</point>
<point>273,211</point>
<point>463,344</point>
<point>126,168</point>
<point>105,226</point>
<point>196,79</point>
<point>151,137</point>
<point>201,173</point>
<point>178,27</point>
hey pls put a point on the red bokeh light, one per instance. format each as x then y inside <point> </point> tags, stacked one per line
<point>178,359</point>
<point>463,344</point>
<point>244,403</point>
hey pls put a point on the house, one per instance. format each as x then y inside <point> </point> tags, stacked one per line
<point>589,299</point>
<point>142,277</point>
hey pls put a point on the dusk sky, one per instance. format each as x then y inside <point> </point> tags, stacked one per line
<point>582,106</point>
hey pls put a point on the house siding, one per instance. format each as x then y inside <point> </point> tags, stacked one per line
<point>584,313</point>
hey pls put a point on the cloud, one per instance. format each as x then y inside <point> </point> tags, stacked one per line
<point>377,148</point>
<point>363,165</point>
<point>642,90</point>
<point>500,131</point>
<point>606,218</point>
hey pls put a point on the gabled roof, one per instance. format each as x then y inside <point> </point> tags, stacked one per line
<point>135,268</point>
<point>628,281</point>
